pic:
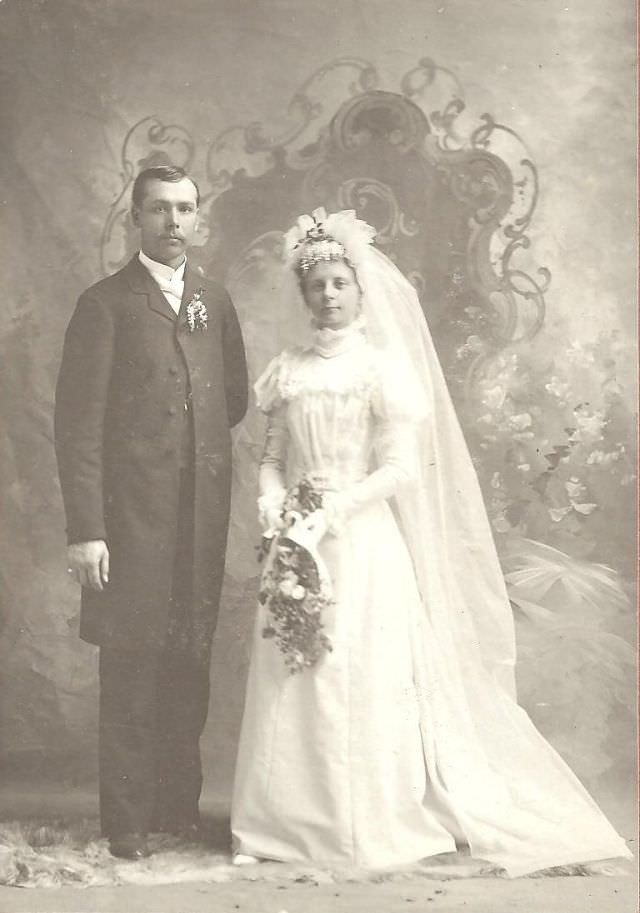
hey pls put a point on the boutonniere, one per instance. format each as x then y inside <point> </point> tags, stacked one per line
<point>197,312</point>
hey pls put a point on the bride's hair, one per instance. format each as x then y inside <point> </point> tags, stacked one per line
<point>320,249</point>
<point>320,238</point>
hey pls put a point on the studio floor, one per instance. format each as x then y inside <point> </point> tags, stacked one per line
<point>544,895</point>
<point>279,889</point>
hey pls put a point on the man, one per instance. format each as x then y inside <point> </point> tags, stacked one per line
<point>153,376</point>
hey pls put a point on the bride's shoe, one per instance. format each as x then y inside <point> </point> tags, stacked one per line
<point>244,859</point>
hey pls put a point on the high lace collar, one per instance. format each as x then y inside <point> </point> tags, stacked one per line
<point>328,343</point>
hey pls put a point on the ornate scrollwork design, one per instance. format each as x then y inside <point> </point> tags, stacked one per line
<point>148,143</point>
<point>428,84</point>
<point>363,193</point>
<point>516,284</point>
<point>236,148</point>
<point>480,181</point>
<point>452,208</point>
<point>378,114</point>
<point>498,188</point>
<point>263,250</point>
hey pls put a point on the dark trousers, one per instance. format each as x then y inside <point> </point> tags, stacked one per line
<point>153,708</point>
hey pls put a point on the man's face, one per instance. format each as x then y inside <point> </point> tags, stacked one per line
<point>167,220</point>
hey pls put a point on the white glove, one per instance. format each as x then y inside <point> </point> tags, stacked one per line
<point>270,511</point>
<point>337,507</point>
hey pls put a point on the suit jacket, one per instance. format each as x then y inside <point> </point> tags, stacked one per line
<point>128,365</point>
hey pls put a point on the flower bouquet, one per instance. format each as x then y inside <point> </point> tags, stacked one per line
<point>295,588</point>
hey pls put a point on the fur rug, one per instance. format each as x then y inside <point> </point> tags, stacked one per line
<point>38,855</point>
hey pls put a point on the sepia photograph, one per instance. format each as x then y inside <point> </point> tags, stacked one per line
<point>318,456</point>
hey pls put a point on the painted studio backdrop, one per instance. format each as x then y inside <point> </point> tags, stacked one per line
<point>491,144</point>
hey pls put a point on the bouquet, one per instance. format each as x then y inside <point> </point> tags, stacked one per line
<point>295,588</point>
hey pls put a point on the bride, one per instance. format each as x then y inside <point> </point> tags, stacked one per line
<point>402,738</point>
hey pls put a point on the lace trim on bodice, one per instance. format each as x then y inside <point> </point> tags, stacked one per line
<point>355,371</point>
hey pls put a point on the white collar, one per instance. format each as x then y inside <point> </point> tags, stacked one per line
<point>329,343</point>
<point>161,270</point>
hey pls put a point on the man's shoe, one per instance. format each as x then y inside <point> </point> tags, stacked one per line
<point>129,846</point>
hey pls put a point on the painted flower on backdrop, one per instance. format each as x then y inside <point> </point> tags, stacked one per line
<point>576,491</point>
<point>574,487</point>
<point>521,425</point>
<point>600,458</point>
<point>590,425</point>
<point>494,397</point>
<point>547,432</point>
<point>557,387</point>
<point>473,346</point>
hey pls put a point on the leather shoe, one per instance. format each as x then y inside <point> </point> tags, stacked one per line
<point>129,846</point>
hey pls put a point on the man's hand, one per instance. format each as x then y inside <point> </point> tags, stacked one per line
<point>89,563</point>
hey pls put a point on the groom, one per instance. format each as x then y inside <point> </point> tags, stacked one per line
<point>153,377</point>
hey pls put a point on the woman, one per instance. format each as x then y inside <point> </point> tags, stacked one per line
<point>403,739</point>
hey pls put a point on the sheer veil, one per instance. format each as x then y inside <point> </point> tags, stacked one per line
<point>505,791</point>
<point>442,514</point>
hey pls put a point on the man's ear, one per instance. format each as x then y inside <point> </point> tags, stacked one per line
<point>135,216</point>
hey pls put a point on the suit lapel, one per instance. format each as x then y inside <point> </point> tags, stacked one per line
<point>192,282</point>
<point>142,283</point>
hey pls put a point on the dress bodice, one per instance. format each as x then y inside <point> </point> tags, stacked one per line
<point>328,405</point>
<point>330,436</point>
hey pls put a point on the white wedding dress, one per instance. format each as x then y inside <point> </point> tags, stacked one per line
<point>374,757</point>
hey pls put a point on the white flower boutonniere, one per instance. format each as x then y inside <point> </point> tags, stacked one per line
<point>197,312</point>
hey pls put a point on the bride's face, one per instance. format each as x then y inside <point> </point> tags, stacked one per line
<point>332,294</point>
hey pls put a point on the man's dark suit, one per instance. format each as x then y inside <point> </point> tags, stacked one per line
<point>143,412</point>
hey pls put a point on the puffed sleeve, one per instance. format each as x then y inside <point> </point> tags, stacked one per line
<point>268,387</point>
<point>270,399</point>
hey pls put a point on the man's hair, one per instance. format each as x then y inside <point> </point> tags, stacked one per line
<point>170,173</point>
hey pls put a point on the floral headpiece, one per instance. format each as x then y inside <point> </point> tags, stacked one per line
<point>322,238</point>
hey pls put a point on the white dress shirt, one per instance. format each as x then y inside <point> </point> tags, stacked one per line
<point>171,281</point>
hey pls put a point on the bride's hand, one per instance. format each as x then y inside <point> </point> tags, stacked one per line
<point>272,519</point>
<point>270,511</point>
<point>338,506</point>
